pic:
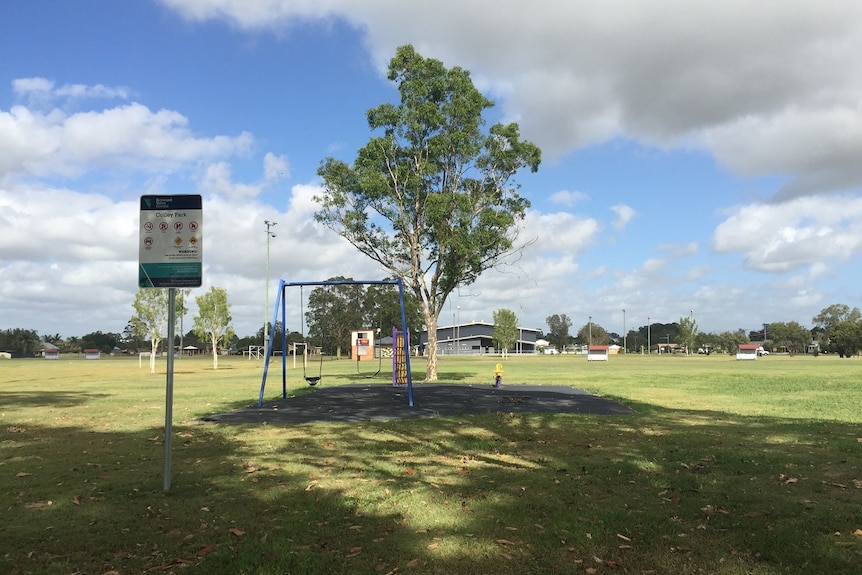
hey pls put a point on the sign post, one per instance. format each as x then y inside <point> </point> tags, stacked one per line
<point>170,256</point>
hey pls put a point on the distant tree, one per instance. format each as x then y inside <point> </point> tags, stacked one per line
<point>708,342</point>
<point>104,342</point>
<point>558,330</point>
<point>505,330</point>
<point>592,333</point>
<point>382,309</point>
<point>687,333</point>
<point>213,319</point>
<point>728,341</point>
<point>23,342</point>
<point>846,338</point>
<point>841,327</point>
<point>151,318</point>
<point>792,336</point>
<point>333,312</point>
<point>835,314</point>
<point>431,197</point>
<point>71,344</point>
<point>132,338</point>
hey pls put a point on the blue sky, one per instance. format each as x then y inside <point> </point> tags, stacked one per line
<point>697,157</point>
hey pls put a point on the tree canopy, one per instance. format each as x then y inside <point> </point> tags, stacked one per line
<point>431,196</point>
<point>213,321</point>
<point>151,318</point>
<point>505,330</point>
<point>558,330</point>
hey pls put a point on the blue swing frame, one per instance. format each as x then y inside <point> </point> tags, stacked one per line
<point>280,304</point>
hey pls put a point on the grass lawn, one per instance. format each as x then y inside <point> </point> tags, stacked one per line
<point>725,468</point>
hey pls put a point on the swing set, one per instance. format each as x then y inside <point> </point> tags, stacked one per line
<point>403,365</point>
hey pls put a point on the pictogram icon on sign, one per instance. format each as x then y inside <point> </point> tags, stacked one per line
<point>148,226</point>
<point>193,226</point>
<point>163,226</point>
<point>178,226</point>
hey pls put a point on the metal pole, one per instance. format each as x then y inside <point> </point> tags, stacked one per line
<point>625,335</point>
<point>269,234</point>
<point>648,342</point>
<point>591,331</point>
<point>458,333</point>
<point>169,388</point>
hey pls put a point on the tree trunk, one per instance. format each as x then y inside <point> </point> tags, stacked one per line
<point>214,341</point>
<point>154,344</point>
<point>431,369</point>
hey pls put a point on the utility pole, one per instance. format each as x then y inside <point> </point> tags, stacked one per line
<point>648,342</point>
<point>269,235</point>
<point>625,335</point>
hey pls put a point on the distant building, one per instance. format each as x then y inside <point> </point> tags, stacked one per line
<point>50,351</point>
<point>598,352</point>
<point>476,338</point>
<point>747,351</point>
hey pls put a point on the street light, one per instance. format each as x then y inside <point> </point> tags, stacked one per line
<point>648,342</point>
<point>269,235</point>
<point>521,332</point>
<point>458,333</point>
<point>625,335</point>
<point>591,331</point>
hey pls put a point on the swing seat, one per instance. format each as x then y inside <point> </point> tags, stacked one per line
<point>312,381</point>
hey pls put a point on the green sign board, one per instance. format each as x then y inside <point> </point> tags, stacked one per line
<point>171,249</point>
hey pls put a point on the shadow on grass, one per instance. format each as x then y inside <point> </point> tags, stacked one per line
<point>48,398</point>
<point>665,491</point>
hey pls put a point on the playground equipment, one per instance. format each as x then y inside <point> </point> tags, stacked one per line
<point>280,304</point>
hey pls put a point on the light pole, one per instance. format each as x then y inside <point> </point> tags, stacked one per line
<point>591,331</point>
<point>521,333</point>
<point>458,334</point>
<point>269,235</point>
<point>648,342</point>
<point>625,335</point>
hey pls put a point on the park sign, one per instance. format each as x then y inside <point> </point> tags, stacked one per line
<point>171,248</point>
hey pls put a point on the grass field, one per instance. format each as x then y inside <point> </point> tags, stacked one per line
<point>725,468</point>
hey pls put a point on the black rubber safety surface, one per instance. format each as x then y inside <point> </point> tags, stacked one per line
<point>380,402</point>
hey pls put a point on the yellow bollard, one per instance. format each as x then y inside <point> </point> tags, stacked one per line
<point>498,375</point>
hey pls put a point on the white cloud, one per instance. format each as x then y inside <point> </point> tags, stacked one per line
<point>624,213</point>
<point>131,136</point>
<point>804,231</point>
<point>568,198</point>
<point>765,86</point>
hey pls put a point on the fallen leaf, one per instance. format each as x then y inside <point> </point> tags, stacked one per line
<point>22,474</point>
<point>505,542</point>
<point>237,532</point>
<point>206,549</point>
<point>76,500</point>
<point>858,533</point>
<point>505,556</point>
<point>413,563</point>
<point>354,551</point>
<point>591,570</point>
<point>410,472</point>
<point>623,537</point>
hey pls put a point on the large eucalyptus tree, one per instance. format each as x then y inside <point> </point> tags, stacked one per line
<point>431,196</point>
